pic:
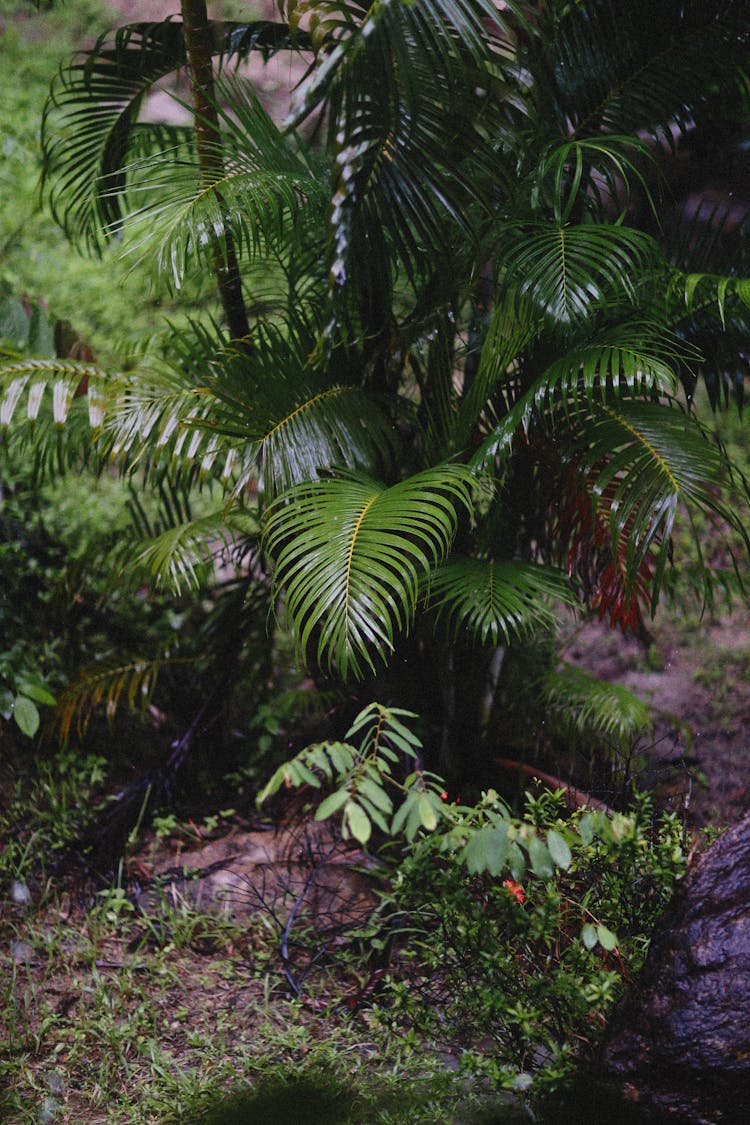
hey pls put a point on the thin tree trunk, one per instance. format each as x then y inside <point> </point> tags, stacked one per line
<point>198,45</point>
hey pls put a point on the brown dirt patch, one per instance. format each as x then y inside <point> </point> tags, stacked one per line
<point>697,679</point>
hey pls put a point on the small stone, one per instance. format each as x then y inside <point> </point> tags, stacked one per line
<point>21,951</point>
<point>48,1112</point>
<point>20,893</point>
<point>55,1083</point>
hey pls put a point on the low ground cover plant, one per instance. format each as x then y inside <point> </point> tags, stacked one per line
<point>497,945</point>
<point>506,937</point>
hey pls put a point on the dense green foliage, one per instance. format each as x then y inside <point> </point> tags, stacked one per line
<point>518,974</point>
<point>34,259</point>
<point>474,323</point>
<point>497,942</point>
<point>449,311</point>
<point>525,974</point>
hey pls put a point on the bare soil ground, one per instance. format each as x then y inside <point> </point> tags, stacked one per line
<point>696,676</point>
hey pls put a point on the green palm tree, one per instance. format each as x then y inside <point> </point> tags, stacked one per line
<point>460,328</point>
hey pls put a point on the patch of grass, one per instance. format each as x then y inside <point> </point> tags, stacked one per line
<point>99,1024</point>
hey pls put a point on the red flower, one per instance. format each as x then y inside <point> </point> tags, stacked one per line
<point>515,889</point>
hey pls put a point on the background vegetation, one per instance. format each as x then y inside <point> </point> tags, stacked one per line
<point>430,377</point>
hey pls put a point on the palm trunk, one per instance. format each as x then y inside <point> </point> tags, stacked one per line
<point>198,45</point>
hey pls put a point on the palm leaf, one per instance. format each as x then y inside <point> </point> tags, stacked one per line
<point>594,175</point>
<point>350,555</point>
<point>400,90</point>
<point>633,358</point>
<point>91,130</point>
<point>571,271</point>
<point>635,67</point>
<point>185,555</point>
<point>586,708</point>
<point>641,462</point>
<point>498,601</point>
<point>31,380</point>
<point>260,185</point>
<point>110,683</point>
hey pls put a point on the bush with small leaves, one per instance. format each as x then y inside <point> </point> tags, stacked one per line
<point>510,937</point>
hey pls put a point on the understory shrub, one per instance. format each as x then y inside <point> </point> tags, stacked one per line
<point>518,976</point>
<point>505,939</point>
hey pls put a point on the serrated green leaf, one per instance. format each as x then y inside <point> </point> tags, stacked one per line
<point>497,848</point>
<point>476,852</point>
<point>559,850</point>
<point>487,850</point>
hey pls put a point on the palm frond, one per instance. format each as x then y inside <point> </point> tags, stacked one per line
<point>640,462</point>
<point>91,131</point>
<point>259,186</point>
<point>699,289</point>
<point>634,358</point>
<point>588,709</point>
<point>571,271</point>
<point>635,68</point>
<point>400,90</point>
<point>513,325</point>
<point>350,555</point>
<point>31,380</point>
<point>593,174</point>
<point>435,24</point>
<point>498,601</point>
<point>109,683</point>
<point>185,555</point>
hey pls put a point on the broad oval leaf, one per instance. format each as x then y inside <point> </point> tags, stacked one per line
<point>26,715</point>
<point>332,804</point>
<point>357,822</point>
<point>540,858</point>
<point>606,938</point>
<point>589,936</point>
<point>559,850</point>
